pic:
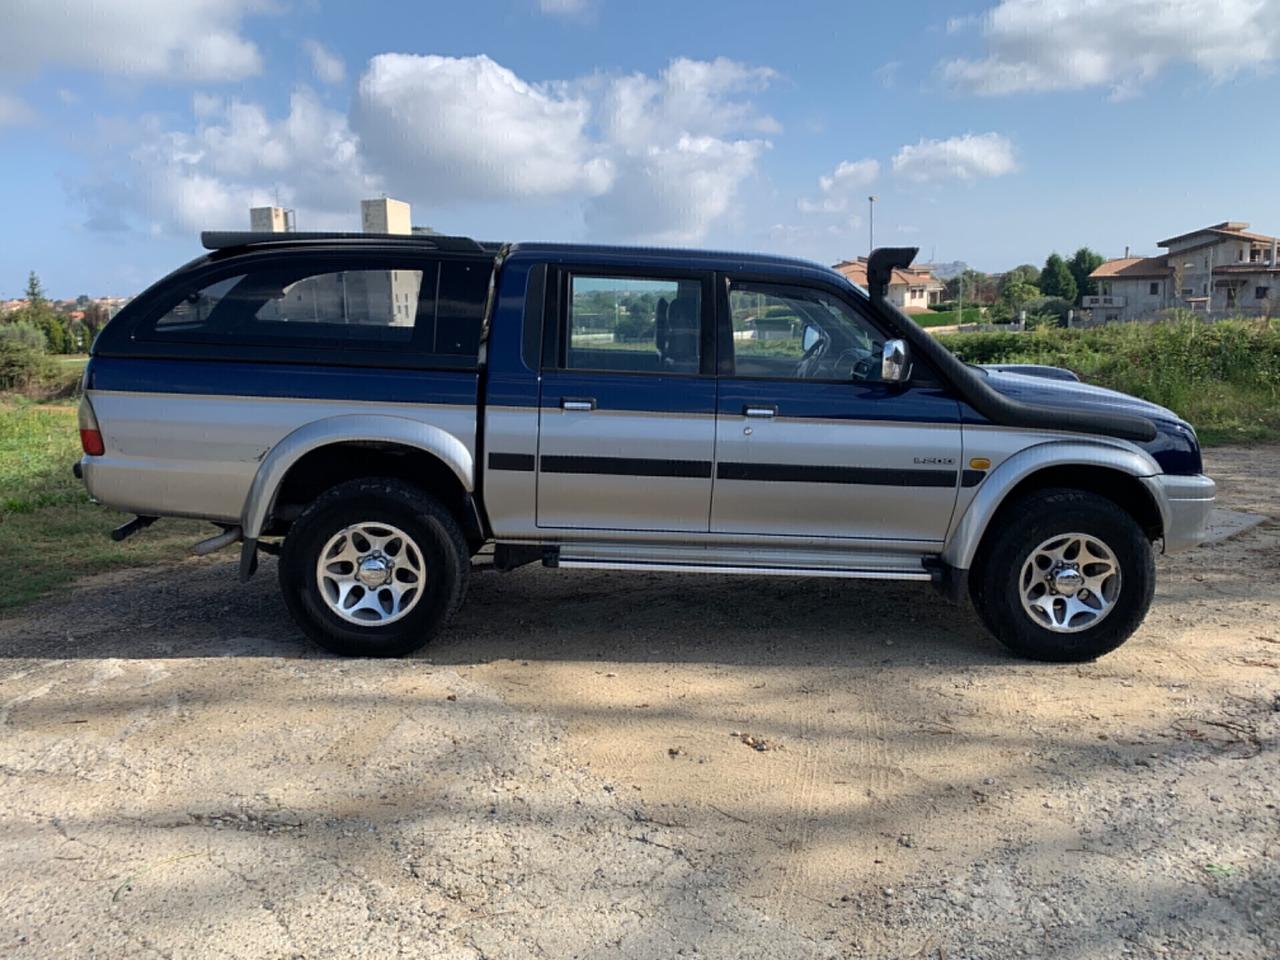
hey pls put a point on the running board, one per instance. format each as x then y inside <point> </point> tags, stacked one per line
<point>843,573</point>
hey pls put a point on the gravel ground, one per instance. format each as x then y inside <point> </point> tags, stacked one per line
<point>595,765</point>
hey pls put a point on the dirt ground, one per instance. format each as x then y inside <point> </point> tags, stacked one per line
<point>574,772</point>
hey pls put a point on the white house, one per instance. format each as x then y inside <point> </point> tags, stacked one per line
<point>1219,269</point>
<point>912,290</point>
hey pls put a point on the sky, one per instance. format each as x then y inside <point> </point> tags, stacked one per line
<point>992,131</point>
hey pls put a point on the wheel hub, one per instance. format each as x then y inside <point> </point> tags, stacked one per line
<point>1070,583</point>
<point>374,570</point>
<point>1066,580</point>
<point>371,573</point>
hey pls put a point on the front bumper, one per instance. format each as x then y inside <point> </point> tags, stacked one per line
<point>1185,504</point>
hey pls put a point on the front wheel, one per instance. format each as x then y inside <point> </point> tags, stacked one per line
<point>1067,576</point>
<point>373,568</point>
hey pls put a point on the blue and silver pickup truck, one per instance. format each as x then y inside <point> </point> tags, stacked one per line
<point>378,409</point>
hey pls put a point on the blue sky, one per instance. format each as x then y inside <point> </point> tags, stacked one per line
<point>993,131</point>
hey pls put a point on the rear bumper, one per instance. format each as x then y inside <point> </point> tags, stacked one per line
<point>1185,503</point>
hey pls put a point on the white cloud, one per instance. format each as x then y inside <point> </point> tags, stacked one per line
<point>968,157</point>
<point>672,194</point>
<point>464,129</point>
<point>328,66</point>
<point>192,40</point>
<point>655,159</point>
<point>682,143</point>
<point>14,111</point>
<point>236,157</point>
<point>838,188</point>
<point>689,96</point>
<point>564,8</point>
<point>1036,45</point>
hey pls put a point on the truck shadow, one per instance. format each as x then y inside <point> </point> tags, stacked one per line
<point>199,610</point>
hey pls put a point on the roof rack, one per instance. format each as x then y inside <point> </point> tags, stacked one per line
<point>230,239</point>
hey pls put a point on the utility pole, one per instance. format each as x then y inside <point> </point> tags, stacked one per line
<point>871,223</point>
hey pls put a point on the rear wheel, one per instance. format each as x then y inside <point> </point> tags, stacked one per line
<point>373,568</point>
<point>1067,576</point>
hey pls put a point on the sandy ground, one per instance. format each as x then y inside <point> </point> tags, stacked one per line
<point>569,773</point>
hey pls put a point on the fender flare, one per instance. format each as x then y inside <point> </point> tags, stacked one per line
<point>962,544</point>
<point>351,428</point>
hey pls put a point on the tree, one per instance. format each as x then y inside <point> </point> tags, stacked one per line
<point>1023,273</point>
<point>1082,263</point>
<point>1056,279</point>
<point>1015,294</point>
<point>39,313</point>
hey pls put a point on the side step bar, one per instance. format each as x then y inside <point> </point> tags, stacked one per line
<point>843,573</point>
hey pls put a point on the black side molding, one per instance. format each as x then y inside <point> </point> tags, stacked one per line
<point>973,389</point>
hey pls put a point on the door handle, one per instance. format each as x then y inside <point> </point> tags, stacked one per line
<point>580,404</point>
<point>759,410</point>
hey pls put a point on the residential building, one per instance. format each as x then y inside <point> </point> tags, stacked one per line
<point>385,215</point>
<point>913,290</point>
<point>1223,269</point>
<point>270,220</point>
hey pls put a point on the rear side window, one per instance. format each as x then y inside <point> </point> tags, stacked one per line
<point>346,305</point>
<point>633,324</point>
<point>438,309</point>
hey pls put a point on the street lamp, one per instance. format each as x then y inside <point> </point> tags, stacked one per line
<point>871,223</point>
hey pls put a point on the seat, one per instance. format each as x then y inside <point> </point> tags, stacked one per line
<point>680,350</point>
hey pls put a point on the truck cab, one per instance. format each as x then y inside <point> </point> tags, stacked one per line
<point>379,409</point>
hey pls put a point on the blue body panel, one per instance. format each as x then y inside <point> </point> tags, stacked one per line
<point>1175,447</point>
<point>283,380</point>
<point>840,401</point>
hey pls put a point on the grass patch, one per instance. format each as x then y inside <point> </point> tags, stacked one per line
<point>46,514</point>
<point>1223,378</point>
<point>948,318</point>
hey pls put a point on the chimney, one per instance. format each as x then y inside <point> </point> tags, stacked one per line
<point>1126,251</point>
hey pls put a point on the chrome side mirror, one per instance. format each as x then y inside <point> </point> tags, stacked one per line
<point>895,367</point>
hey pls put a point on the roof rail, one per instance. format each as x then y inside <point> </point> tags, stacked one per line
<point>230,239</point>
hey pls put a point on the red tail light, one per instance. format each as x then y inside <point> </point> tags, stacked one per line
<point>91,441</point>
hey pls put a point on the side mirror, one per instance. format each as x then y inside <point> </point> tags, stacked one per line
<point>810,338</point>
<point>895,366</point>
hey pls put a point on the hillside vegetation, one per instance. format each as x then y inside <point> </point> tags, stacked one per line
<point>1223,378</point>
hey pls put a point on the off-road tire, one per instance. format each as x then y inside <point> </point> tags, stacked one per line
<point>402,505</point>
<point>996,579</point>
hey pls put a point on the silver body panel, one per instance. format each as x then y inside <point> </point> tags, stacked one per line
<point>510,496</point>
<point>1016,465</point>
<point>843,510</point>
<point>1186,503</point>
<point>570,500</point>
<point>221,457</point>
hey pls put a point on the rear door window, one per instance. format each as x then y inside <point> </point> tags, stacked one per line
<point>634,324</point>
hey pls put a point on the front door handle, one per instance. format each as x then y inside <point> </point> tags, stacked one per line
<point>580,404</point>
<point>759,410</point>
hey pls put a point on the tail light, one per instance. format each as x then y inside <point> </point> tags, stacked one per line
<point>91,442</point>
<point>90,435</point>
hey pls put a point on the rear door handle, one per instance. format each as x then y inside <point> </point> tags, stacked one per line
<point>581,404</point>
<point>759,410</point>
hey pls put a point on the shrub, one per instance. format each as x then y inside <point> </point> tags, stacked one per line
<point>23,365</point>
<point>1223,377</point>
<point>22,332</point>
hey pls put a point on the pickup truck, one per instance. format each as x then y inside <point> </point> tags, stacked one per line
<point>379,409</point>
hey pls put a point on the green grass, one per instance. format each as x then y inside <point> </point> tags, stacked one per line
<point>947,318</point>
<point>1223,378</point>
<point>50,534</point>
